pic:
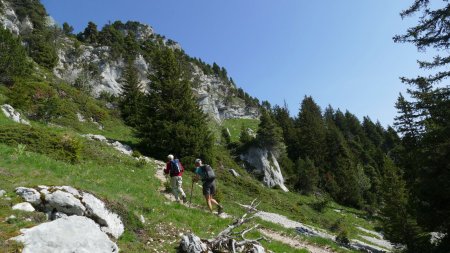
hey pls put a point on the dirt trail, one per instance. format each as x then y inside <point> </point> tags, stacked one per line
<point>293,242</point>
<point>162,189</point>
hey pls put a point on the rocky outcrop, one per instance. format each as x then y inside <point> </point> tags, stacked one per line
<point>125,149</point>
<point>62,201</point>
<point>192,244</point>
<point>68,234</point>
<point>13,114</point>
<point>216,98</point>
<point>264,163</point>
<point>96,210</point>
<point>11,21</point>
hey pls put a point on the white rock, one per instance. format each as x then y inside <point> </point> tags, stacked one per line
<point>11,217</point>
<point>30,195</point>
<point>63,202</point>
<point>265,164</point>
<point>125,149</point>
<point>235,174</point>
<point>24,206</point>
<point>96,210</point>
<point>13,114</point>
<point>69,189</point>
<point>142,219</point>
<point>80,117</point>
<point>2,192</point>
<point>192,244</point>
<point>70,234</point>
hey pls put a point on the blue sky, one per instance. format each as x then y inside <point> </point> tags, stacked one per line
<point>339,52</point>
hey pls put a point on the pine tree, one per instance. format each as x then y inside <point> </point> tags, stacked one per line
<point>172,121</point>
<point>67,29</point>
<point>269,134</point>
<point>426,122</point>
<point>131,102</point>
<point>13,59</point>
<point>308,176</point>
<point>311,132</point>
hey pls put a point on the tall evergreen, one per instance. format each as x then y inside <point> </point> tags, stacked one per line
<point>172,121</point>
<point>13,59</point>
<point>269,134</point>
<point>311,132</point>
<point>131,101</point>
<point>425,122</point>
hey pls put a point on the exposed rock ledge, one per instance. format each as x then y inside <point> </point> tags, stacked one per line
<point>63,201</point>
<point>13,114</point>
<point>266,165</point>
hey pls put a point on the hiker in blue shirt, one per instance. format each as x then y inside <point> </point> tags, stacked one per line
<point>206,174</point>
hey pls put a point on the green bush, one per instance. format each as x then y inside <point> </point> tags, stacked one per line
<point>320,205</point>
<point>61,147</point>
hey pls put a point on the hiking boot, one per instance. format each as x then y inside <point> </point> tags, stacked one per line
<point>219,209</point>
<point>184,199</point>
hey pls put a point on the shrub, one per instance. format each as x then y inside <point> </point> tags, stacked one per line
<point>61,147</point>
<point>320,205</point>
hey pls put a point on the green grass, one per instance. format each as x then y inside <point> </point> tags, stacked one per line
<point>131,189</point>
<point>235,126</point>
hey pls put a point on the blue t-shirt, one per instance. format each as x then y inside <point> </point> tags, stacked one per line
<point>201,172</point>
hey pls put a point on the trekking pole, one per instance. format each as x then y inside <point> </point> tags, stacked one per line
<point>192,189</point>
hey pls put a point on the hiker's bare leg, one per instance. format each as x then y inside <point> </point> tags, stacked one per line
<point>208,202</point>
<point>214,201</point>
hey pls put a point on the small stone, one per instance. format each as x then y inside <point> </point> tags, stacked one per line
<point>2,192</point>
<point>24,206</point>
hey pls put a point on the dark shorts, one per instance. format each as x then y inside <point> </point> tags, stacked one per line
<point>209,187</point>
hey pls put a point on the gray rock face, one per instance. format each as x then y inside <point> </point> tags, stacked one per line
<point>192,244</point>
<point>265,164</point>
<point>70,234</point>
<point>13,114</point>
<point>63,202</point>
<point>24,206</point>
<point>30,195</point>
<point>125,149</point>
<point>96,210</point>
<point>215,98</point>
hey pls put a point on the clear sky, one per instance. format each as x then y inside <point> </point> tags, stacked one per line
<point>339,52</point>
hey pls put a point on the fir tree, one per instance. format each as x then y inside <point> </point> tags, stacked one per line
<point>131,102</point>
<point>13,59</point>
<point>172,121</point>
<point>311,132</point>
<point>269,134</point>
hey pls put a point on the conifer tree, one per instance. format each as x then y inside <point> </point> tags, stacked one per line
<point>308,176</point>
<point>13,59</point>
<point>172,121</point>
<point>131,102</point>
<point>269,134</point>
<point>311,132</point>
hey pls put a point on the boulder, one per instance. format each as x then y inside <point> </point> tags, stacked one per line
<point>264,163</point>
<point>69,234</point>
<point>96,210</point>
<point>13,114</point>
<point>30,195</point>
<point>192,244</point>
<point>63,202</point>
<point>24,206</point>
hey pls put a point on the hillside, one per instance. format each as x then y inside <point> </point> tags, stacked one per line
<point>70,87</point>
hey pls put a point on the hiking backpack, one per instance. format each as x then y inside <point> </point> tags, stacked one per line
<point>208,172</point>
<point>175,167</point>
